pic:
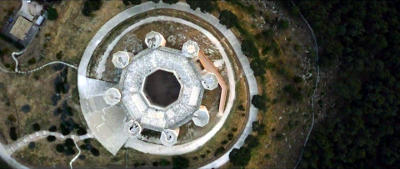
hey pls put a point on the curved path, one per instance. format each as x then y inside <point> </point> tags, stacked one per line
<point>209,66</point>
<point>315,86</point>
<point>7,150</point>
<point>24,141</point>
<point>100,35</point>
<point>32,70</point>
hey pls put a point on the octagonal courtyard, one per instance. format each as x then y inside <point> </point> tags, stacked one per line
<point>162,88</point>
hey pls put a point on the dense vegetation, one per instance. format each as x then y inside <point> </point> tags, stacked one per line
<point>179,162</point>
<point>52,13</point>
<point>362,38</point>
<point>228,19</point>
<point>131,2</point>
<point>204,5</point>
<point>91,5</point>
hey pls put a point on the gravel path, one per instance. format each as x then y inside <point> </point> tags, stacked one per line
<point>24,141</point>
<point>13,56</point>
<point>315,86</point>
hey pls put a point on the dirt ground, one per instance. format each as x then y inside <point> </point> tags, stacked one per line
<point>286,120</point>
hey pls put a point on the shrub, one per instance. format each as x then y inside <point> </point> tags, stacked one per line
<point>155,163</point>
<point>51,138</point>
<point>259,127</point>
<point>36,127</point>
<point>11,118</point>
<point>224,142</point>
<point>133,2</point>
<point>59,55</point>
<point>32,61</point>
<point>91,5</point>
<point>52,13</point>
<point>268,34</point>
<point>230,136</point>
<point>251,141</point>
<point>249,48</point>
<point>164,162</point>
<point>31,145</point>
<point>179,162</point>
<point>82,157</point>
<point>81,131</point>
<point>219,151</point>
<point>292,91</point>
<point>204,5</point>
<point>259,67</point>
<point>260,101</point>
<point>240,157</point>
<point>297,79</point>
<point>283,24</point>
<point>53,128</point>
<point>95,152</point>
<point>60,148</point>
<point>279,136</point>
<point>170,1</point>
<point>26,108</point>
<point>228,19</point>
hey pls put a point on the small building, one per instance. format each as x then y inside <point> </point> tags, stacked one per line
<point>21,28</point>
<point>39,20</point>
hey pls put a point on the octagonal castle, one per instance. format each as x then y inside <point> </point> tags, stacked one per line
<point>160,89</point>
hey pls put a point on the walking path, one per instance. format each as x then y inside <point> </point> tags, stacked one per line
<point>7,150</point>
<point>315,86</point>
<point>13,56</point>
<point>24,141</point>
<point>209,66</point>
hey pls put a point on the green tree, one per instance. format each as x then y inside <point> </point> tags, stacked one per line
<point>260,101</point>
<point>240,157</point>
<point>292,91</point>
<point>283,24</point>
<point>52,13</point>
<point>227,18</point>
<point>179,162</point>
<point>360,130</point>
<point>249,49</point>
<point>91,5</point>
<point>204,5</point>
<point>131,2</point>
<point>170,1</point>
<point>259,66</point>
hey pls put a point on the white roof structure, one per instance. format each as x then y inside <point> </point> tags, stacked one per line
<point>169,137</point>
<point>112,96</point>
<point>190,49</point>
<point>134,128</point>
<point>154,40</point>
<point>209,81</point>
<point>201,117</point>
<point>121,59</point>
